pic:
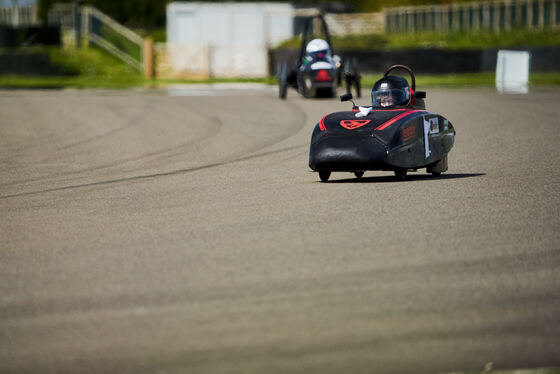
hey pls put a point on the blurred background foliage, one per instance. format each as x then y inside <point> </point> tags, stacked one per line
<point>148,18</point>
<point>475,39</point>
<point>150,14</point>
<point>138,14</point>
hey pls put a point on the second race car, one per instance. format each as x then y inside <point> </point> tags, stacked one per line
<point>318,71</point>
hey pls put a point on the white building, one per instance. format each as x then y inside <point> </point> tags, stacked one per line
<point>225,39</point>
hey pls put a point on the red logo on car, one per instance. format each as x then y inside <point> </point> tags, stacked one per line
<point>352,124</point>
<point>408,133</point>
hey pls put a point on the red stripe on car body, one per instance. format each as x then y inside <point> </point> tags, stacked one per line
<point>396,118</point>
<point>322,123</point>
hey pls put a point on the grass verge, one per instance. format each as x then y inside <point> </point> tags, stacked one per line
<point>451,40</point>
<point>92,68</point>
<point>468,80</point>
<point>112,82</point>
<point>84,68</point>
<point>15,81</point>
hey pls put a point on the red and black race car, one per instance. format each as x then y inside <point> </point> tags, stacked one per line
<point>396,133</point>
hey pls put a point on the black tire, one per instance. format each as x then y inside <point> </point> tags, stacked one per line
<point>439,167</point>
<point>401,174</point>
<point>325,92</point>
<point>359,174</point>
<point>282,79</point>
<point>324,175</point>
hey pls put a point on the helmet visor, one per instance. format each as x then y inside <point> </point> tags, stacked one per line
<point>389,97</point>
<point>320,55</point>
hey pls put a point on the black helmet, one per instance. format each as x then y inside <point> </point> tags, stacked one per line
<point>389,91</point>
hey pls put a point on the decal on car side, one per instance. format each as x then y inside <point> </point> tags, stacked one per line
<point>354,124</point>
<point>434,125</point>
<point>408,133</point>
<point>427,128</point>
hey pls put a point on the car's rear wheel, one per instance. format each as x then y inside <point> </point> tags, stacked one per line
<point>439,167</point>
<point>359,174</point>
<point>324,175</point>
<point>401,174</point>
<point>324,92</point>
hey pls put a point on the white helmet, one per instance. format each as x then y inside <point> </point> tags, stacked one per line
<point>317,45</point>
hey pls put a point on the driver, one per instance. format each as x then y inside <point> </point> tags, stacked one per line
<point>390,91</point>
<point>316,50</point>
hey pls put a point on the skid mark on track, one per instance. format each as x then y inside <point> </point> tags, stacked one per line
<point>156,175</point>
<point>216,125</point>
<point>131,122</point>
<point>167,153</point>
<point>40,142</point>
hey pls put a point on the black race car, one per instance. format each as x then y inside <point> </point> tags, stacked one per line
<point>318,71</point>
<point>396,133</point>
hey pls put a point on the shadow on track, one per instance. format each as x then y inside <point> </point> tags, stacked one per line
<point>409,178</point>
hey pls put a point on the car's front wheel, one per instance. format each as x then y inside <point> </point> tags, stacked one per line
<point>359,174</point>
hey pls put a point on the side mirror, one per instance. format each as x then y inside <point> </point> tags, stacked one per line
<point>420,94</point>
<point>346,97</point>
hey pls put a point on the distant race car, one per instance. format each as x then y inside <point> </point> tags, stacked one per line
<point>396,133</point>
<point>318,71</point>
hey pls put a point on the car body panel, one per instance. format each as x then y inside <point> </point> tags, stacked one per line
<point>406,138</point>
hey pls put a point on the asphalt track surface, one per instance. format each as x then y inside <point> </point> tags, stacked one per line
<point>142,232</point>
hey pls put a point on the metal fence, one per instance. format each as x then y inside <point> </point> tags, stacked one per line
<point>97,28</point>
<point>25,15</point>
<point>495,15</point>
<point>355,23</point>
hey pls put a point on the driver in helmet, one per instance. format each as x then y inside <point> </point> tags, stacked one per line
<point>316,50</point>
<point>390,91</point>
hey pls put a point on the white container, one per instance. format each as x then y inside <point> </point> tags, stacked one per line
<point>512,71</point>
<point>237,35</point>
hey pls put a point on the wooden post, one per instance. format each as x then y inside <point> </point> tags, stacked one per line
<point>496,21</point>
<point>507,14</point>
<point>77,23</point>
<point>529,14</point>
<point>541,14</point>
<point>148,57</point>
<point>476,17</point>
<point>86,23</point>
